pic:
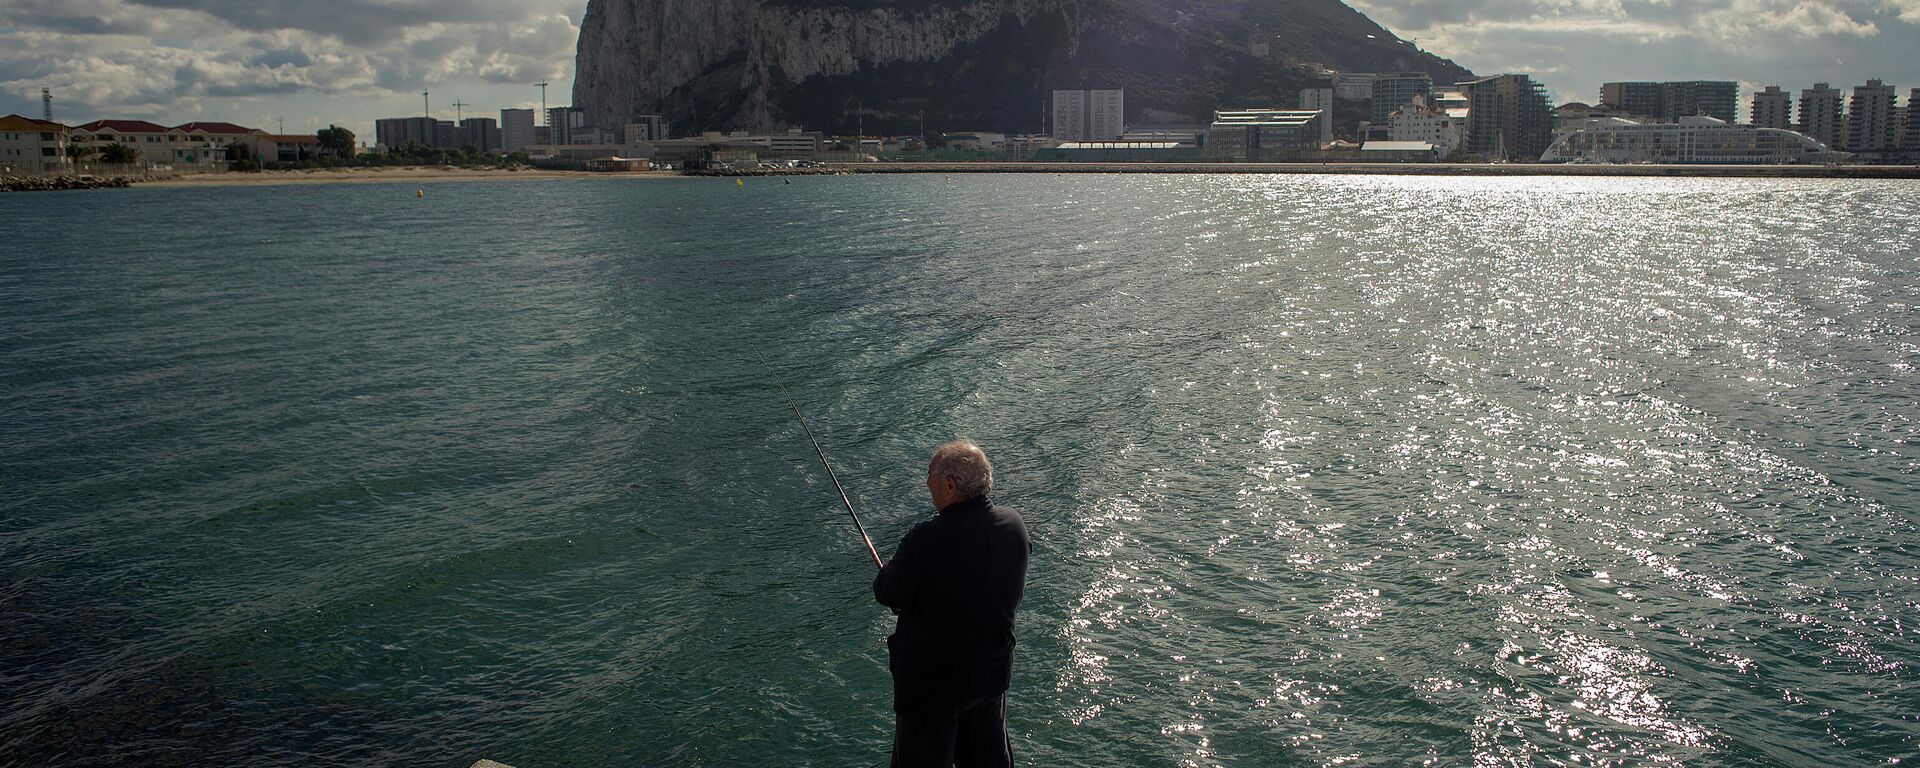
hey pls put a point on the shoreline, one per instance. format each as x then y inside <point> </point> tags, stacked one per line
<point>383,175</point>
<point>1385,169</point>
<point>437,175</point>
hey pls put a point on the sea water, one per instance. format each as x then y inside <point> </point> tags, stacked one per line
<point>1327,470</point>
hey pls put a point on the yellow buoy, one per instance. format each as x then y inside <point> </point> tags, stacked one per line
<point>419,193</point>
<point>739,182</point>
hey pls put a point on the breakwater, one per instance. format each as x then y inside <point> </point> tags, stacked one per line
<point>1393,169</point>
<point>55,183</point>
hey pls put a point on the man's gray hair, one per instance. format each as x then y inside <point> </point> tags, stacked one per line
<point>967,465</point>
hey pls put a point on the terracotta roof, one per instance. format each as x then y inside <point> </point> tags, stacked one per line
<point>123,126</point>
<point>19,123</point>
<point>212,127</point>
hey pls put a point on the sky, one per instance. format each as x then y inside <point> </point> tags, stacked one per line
<point>307,65</point>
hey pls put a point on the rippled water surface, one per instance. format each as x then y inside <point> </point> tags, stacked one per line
<point>1320,470</point>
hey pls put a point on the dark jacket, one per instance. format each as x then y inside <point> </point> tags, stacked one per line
<point>955,582</point>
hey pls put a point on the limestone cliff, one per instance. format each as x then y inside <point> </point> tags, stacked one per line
<point>961,64</point>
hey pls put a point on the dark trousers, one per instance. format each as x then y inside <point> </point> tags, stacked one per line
<point>971,735</point>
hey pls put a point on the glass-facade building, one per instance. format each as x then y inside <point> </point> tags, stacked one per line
<point>1691,141</point>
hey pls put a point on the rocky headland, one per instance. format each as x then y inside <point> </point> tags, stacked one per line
<point>896,66</point>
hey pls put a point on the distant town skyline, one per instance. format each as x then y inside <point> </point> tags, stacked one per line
<point>174,61</point>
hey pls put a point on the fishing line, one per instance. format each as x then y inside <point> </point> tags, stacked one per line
<point>824,463</point>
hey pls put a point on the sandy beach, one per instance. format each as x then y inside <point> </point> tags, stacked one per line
<point>382,175</point>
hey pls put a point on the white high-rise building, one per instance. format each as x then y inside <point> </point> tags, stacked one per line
<point>516,129</point>
<point>1319,95</point>
<point>1089,115</point>
<point>1820,114</point>
<point>1772,108</point>
<point>1870,118</point>
<point>1910,128</point>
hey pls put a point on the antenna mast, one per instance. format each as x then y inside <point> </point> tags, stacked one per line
<point>46,104</point>
<point>425,105</point>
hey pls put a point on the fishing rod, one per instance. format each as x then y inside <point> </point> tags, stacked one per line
<point>829,467</point>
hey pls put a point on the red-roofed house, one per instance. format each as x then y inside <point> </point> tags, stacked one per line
<point>207,142</point>
<point>138,134</point>
<point>149,139</point>
<point>32,146</point>
<point>214,129</point>
<point>192,144</point>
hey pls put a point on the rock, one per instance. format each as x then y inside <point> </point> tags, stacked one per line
<point>961,64</point>
<point>52,183</point>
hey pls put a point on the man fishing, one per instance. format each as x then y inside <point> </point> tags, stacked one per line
<point>955,581</point>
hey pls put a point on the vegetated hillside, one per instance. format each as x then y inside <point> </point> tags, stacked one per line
<point>962,64</point>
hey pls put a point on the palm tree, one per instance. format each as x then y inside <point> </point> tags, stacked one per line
<point>120,154</point>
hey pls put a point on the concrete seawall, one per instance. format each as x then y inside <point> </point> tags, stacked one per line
<point>1393,169</point>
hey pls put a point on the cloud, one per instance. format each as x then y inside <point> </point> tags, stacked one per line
<point>166,57</point>
<point>1724,23</point>
<point>1575,45</point>
<point>362,23</point>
